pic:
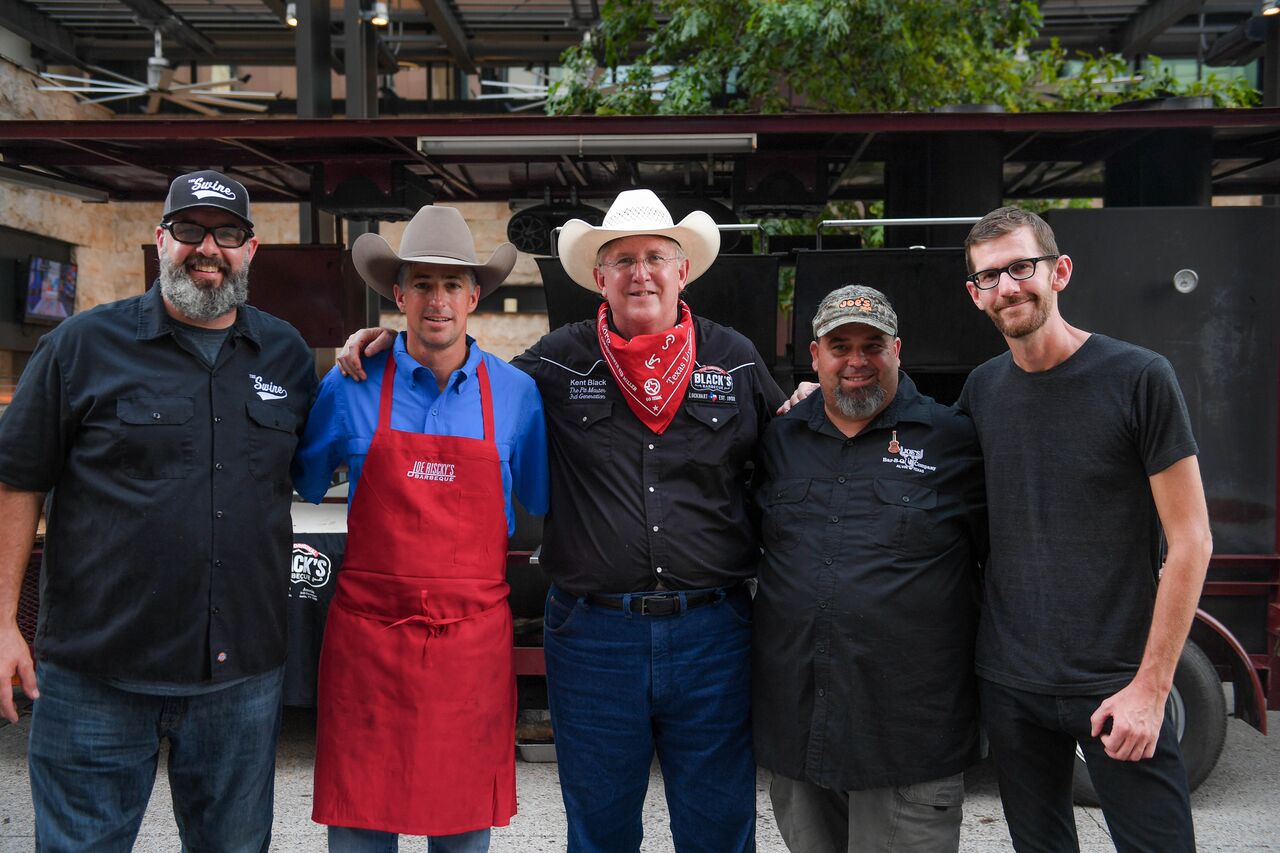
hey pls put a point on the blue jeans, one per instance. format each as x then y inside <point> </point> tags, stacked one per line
<point>344,839</point>
<point>1033,742</point>
<point>622,686</point>
<point>94,749</point>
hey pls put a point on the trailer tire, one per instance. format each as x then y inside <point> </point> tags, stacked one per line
<point>1200,714</point>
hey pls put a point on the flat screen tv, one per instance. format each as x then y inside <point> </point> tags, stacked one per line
<point>51,291</point>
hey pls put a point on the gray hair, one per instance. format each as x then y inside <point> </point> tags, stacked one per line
<point>679,249</point>
<point>1006,220</point>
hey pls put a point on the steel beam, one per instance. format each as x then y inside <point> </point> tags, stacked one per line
<point>154,13</point>
<point>1137,35</point>
<point>312,57</point>
<point>42,31</point>
<point>441,15</point>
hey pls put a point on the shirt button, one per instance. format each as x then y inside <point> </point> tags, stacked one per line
<point>217,466</point>
<point>821,692</point>
<point>827,561</point>
<point>659,569</point>
<point>651,447</point>
<point>906,500</point>
<point>217,420</point>
<point>584,419</point>
<point>839,479</point>
<point>822,605</point>
<point>434,412</point>
<point>217,564</point>
<point>651,488</point>
<point>218,514</point>
<point>222,657</point>
<point>655,528</point>
<point>216,611</point>
<point>715,420</point>
<point>835,519</point>
<point>155,416</point>
<point>822,650</point>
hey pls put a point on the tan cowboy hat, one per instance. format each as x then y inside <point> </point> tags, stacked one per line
<point>637,212</point>
<point>435,235</point>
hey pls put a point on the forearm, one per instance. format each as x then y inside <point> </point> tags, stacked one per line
<point>1176,599</point>
<point>19,514</point>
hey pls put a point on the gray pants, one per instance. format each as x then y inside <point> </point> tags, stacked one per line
<point>920,818</point>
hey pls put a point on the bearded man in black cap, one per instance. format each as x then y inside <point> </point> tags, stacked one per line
<point>161,428</point>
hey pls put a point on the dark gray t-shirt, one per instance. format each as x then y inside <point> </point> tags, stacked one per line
<point>1075,537</point>
<point>206,342</point>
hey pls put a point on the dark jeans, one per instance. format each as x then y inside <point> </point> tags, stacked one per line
<point>1033,740</point>
<point>623,686</point>
<point>93,753</point>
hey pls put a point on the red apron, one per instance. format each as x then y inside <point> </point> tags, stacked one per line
<point>417,696</point>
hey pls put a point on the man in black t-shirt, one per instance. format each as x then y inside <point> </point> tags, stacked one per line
<point>1088,455</point>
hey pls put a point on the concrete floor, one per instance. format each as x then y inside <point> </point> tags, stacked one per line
<point>1237,809</point>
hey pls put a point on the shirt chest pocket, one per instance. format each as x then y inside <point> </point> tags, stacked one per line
<point>904,522</point>
<point>784,506</point>
<point>272,439</point>
<point>711,440</point>
<point>154,437</point>
<point>590,428</point>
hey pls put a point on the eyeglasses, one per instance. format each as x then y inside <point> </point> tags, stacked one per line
<point>626,266</point>
<point>192,233</point>
<point>1018,271</point>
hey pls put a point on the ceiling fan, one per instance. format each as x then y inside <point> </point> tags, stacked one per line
<point>202,97</point>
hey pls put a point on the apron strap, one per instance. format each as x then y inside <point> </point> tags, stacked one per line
<point>388,388</point>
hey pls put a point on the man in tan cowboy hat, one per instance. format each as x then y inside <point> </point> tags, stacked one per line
<point>416,719</point>
<point>653,414</point>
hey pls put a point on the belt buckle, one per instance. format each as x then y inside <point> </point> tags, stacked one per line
<point>654,605</point>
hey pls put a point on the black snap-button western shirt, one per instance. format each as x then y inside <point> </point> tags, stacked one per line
<point>168,538</point>
<point>866,612</point>
<point>631,509</point>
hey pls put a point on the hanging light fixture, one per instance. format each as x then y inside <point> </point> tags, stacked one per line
<point>1271,7</point>
<point>291,14</point>
<point>379,17</point>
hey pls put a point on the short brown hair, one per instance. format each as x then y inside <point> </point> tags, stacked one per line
<point>1006,220</point>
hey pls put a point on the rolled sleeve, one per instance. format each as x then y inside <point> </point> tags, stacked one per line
<point>320,450</point>
<point>35,429</point>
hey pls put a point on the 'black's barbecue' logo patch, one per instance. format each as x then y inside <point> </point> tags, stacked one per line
<point>711,384</point>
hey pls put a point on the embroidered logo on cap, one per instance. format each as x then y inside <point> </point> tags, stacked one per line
<point>442,472</point>
<point>267,390</point>
<point>204,188</point>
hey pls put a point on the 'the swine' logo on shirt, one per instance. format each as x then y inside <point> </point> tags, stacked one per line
<point>267,390</point>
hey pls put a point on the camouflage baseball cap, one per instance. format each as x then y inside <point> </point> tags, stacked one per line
<point>855,303</point>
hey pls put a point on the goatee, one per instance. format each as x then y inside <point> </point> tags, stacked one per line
<point>861,404</point>
<point>204,303</point>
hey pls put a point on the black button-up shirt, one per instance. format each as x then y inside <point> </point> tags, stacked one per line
<point>866,612</point>
<point>168,539</point>
<point>631,509</point>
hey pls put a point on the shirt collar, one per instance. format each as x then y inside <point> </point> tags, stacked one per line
<point>908,404</point>
<point>154,321</point>
<point>409,366</point>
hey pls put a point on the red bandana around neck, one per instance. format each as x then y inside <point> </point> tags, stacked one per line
<point>652,370</point>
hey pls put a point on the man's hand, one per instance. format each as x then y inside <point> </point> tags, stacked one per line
<point>1136,714</point>
<point>804,389</point>
<point>363,342</point>
<point>15,659</point>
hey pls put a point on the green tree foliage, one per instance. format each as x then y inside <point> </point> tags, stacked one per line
<point>700,56</point>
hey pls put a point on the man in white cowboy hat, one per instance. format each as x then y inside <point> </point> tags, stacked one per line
<point>416,718</point>
<point>653,414</point>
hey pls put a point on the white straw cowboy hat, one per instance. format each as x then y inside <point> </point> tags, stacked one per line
<point>637,212</point>
<point>435,235</point>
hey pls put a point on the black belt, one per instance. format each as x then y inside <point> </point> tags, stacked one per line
<point>657,603</point>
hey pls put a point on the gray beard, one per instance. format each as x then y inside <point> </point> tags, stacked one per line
<point>200,303</point>
<point>860,405</point>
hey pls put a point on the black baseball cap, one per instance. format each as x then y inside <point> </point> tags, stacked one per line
<point>208,189</point>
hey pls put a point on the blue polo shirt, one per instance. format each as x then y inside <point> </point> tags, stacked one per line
<point>345,415</point>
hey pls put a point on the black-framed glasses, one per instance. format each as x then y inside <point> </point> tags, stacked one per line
<point>1018,271</point>
<point>192,233</point>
